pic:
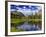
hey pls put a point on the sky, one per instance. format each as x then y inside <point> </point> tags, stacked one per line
<point>26,9</point>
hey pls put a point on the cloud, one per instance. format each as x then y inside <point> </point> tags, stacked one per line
<point>26,10</point>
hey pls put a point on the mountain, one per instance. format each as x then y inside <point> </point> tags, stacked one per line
<point>39,13</point>
<point>17,14</point>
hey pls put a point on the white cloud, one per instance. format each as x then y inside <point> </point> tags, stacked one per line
<point>26,11</point>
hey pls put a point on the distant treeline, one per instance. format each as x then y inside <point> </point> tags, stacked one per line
<point>20,15</point>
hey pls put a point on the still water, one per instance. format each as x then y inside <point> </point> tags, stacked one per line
<point>29,27</point>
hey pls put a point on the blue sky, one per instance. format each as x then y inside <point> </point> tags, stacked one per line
<point>26,9</point>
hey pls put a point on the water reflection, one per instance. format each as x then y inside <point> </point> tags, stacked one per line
<point>28,26</point>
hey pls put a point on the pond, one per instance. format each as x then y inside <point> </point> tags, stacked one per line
<point>28,27</point>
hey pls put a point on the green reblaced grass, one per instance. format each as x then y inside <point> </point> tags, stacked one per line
<point>16,22</point>
<point>35,21</point>
<point>16,30</point>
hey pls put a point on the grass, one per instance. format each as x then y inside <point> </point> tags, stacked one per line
<point>16,30</point>
<point>16,22</point>
<point>35,21</point>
